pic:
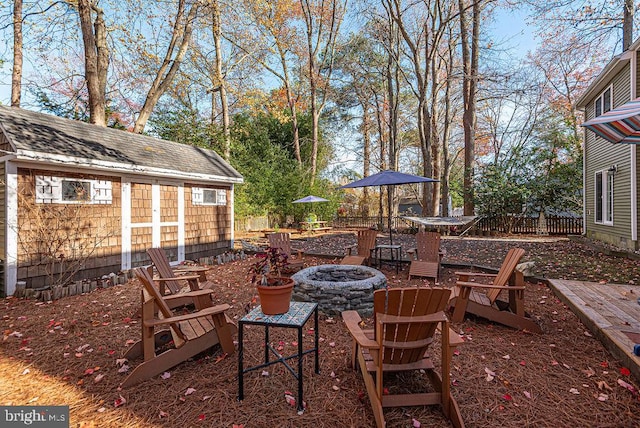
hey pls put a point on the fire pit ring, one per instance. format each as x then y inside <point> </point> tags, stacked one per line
<point>338,288</point>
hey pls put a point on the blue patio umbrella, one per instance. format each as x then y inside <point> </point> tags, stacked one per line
<point>388,178</point>
<point>310,198</point>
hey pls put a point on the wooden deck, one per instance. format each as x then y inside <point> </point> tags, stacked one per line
<point>610,311</point>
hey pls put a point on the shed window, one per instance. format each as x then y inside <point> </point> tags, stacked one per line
<point>201,196</point>
<point>603,102</point>
<point>62,190</point>
<point>604,197</point>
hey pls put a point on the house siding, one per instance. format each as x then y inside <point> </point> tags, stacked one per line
<point>43,236</point>
<point>207,227</point>
<point>599,156</point>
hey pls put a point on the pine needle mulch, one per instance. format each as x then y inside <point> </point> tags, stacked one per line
<point>65,352</point>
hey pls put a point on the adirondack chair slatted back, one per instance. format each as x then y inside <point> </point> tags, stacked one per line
<point>164,311</point>
<point>366,242</point>
<point>506,270</point>
<point>407,343</point>
<point>428,246</point>
<point>161,262</point>
<point>282,241</point>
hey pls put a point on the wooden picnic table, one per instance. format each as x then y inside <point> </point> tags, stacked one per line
<point>315,225</point>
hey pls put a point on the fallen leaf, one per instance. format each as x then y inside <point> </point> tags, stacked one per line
<point>119,402</point>
<point>265,373</point>
<point>602,397</point>
<point>602,384</point>
<point>26,372</point>
<point>123,369</point>
<point>624,371</point>
<point>335,388</point>
<point>162,414</point>
<point>165,375</point>
<point>201,417</point>
<point>98,378</point>
<point>490,374</point>
<point>189,391</point>
<point>589,372</point>
<point>574,391</point>
<point>506,357</point>
<point>527,394</point>
<point>415,423</point>
<point>627,385</point>
<point>507,397</point>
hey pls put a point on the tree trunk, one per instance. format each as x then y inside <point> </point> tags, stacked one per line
<point>96,59</point>
<point>220,79</point>
<point>469,84</point>
<point>627,24</point>
<point>16,75</point>
<point>181,34</point>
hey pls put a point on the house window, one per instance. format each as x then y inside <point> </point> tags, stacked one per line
<point>76,190</point>
<point>603,102</point>
<point>201,196</point>
<point>62,190</point>
<point>604,197</point>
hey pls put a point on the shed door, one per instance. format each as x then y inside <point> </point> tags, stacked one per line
<point>154,217</point>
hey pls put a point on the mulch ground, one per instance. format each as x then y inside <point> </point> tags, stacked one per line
<point>66,353</point>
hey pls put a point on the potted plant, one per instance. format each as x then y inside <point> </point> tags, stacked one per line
<point>274,289</point>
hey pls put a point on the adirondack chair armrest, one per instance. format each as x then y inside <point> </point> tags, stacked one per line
<point>213,310</point>
<point>177,278</point>
<point>349,249</point>
<point>352,321</point>
<point>414,319</point>
<point>477,274</point>
<point>193,294</point>
<point>477,285</point>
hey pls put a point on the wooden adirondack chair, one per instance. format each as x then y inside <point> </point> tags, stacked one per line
<point>427,252</point>
<point>282,241</point>
<point>366,244</point>
<point>466,297</point>
<point>405,321</point>
<point>191,333</point>
<point>170,280</point>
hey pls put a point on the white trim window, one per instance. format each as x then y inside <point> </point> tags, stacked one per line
<point>68,190</point>
<point>202,196</point>
<point>604,102</point>
<point>604,197</point>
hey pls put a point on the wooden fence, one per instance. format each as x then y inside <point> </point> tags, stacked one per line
<point>556,225</point>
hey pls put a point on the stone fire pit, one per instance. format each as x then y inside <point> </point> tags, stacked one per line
<point>337,288</point>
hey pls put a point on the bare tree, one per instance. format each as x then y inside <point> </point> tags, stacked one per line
<point>470,54</point>
<point>16,75</point>
<point>322,21</point>
<point>96,58</point>
<point>176,51</point>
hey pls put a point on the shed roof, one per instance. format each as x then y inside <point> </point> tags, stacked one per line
<point>43,138</point>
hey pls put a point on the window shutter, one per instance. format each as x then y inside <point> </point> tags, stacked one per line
<point>197,196</point>
<point>48,189</point>
<point>102,193</point>
<point>222,197</point>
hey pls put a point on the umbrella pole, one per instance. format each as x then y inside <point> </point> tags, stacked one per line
<point>389,215</point>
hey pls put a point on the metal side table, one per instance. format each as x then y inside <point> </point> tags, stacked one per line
<point>297,316</point>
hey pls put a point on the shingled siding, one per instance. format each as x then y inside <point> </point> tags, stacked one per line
<point>103,230</point>
<point>599,156</point>
<point>207,227</point>
<point>3,222</point>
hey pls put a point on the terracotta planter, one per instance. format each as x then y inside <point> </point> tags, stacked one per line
<point>275,300</point>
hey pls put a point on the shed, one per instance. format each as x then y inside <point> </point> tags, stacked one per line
<point>82,201</point>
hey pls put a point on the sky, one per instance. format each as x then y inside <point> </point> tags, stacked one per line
<point>509,29</point>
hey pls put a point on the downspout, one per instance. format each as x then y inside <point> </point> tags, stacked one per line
<point>584,178</point>
<point>633,154</point>
<point>233,226</point>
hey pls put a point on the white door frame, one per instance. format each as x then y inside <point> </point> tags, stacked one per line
<point>156,223</point>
